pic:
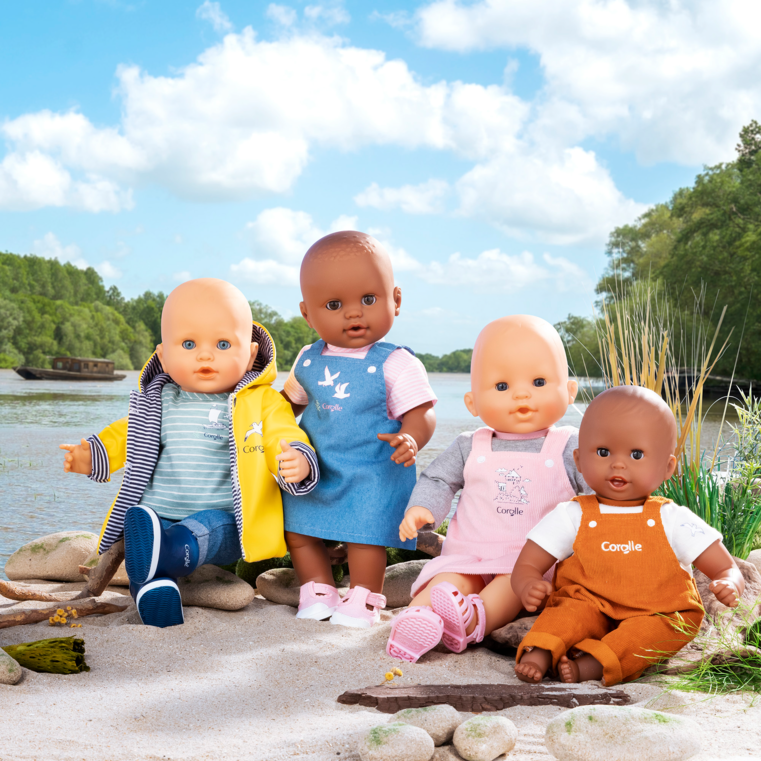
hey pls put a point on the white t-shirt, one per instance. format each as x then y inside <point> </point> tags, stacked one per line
<point>688,535</point>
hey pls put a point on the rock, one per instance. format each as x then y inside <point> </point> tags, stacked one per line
<point>55,557</point>
<point>395,742</point>
<point>483,738</point>
<point>399,581</point>
<point>755,559</point>
<point>430,542</point>
<point>120,578</point>
<point>439,721</point>
<point>612,733</point>
<point>513,633</point>
<point>281,585</point>
<point>10,671</point>
<point>209,586</point>
<point>750,596</point>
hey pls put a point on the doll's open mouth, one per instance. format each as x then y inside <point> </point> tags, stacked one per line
<point>524,411</point>
<point>206,372</point>
<point>617,482</point>
<point>356,331</point>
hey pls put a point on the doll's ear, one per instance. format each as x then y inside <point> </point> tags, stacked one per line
<point>573,389</point>
<point>252,359</point>
<point>671,467</point>
<point>470,403</point>
<point>397,300</point>
<point>576,460</point>
<point>303,308</point>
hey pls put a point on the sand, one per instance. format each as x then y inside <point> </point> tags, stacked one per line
<point>258,684</point>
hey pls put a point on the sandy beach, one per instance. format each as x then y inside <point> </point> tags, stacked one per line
<point>258,684</point>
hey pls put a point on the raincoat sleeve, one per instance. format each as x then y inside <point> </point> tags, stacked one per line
<point>109,450</point>
<point>279,423</point>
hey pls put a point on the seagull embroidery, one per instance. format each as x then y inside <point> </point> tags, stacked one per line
<point>341,390</point>
<point>328,378</point>
<point>255,428</point>
<point>693,527</point>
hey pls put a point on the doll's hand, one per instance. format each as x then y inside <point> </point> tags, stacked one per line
<point>78,459</point>
<point>725,592</point>
<point>294,467</point>
<point>415,518</point>
<point>534,592</point>
<point>404,445</point>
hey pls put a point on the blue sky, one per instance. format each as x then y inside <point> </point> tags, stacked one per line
<point>490,145</point>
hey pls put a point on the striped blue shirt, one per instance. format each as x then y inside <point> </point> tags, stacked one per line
<point>193,469</point>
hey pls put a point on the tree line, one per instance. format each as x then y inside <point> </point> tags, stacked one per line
<point>702,249</point>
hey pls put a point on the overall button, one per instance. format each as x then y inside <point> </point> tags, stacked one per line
<point>307,362</point>
<point>650,522</point>
<point>481,459</point>
<point>549,463</point>
<point>371,369</point>
<point>592,524</point>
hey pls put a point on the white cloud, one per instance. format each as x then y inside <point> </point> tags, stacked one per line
<point>107,271</point>
<point>495,271</point>
<point>330,13</point>
<point>281,14</point>
<point>426,198</point>
<point>51,247</point>
<point>265,272</point>
<point>181,277</point>
<point>673,80</point>
<point>213,13</point>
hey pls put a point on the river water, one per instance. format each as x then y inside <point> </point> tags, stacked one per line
<point>38,498</point>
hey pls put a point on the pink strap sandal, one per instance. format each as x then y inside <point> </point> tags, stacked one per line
<point>457,612</point>
<point>352,610</point>
<point>414,632</point>
<point>317,601</point>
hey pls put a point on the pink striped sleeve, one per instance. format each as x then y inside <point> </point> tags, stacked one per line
<point>292,387</point>
<point>406,384</point>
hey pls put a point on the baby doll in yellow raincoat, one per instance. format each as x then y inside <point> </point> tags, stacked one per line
<point>206,447</point>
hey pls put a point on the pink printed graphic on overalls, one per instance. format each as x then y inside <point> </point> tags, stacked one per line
<point>511,487</point>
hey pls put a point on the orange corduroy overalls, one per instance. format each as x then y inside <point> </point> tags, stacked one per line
<point>622,596</point>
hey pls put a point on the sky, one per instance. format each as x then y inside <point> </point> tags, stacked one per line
<point>491,146</point>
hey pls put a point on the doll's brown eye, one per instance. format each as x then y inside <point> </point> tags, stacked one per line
<point>637,454</point>
<point>539,382</point>
<point>188,345</point>
<point>332,306</point>
<point>501,387</point>
<point>603,452</point>
<point>368,300</point>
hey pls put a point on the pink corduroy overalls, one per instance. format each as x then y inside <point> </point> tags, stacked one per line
<point>505,494</point>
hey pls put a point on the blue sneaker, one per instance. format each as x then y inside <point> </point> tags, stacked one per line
<point>151,550</point>
<point>159,603</point>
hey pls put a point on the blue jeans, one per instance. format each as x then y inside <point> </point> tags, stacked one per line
<point>217,535</point>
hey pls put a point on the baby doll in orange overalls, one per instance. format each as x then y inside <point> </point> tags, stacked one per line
<point>624,594</point>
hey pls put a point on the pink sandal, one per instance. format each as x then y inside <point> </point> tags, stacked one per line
<point>352,610</point>
<point>317,601</point>
<point>414,632</point>
<point>457,612</point>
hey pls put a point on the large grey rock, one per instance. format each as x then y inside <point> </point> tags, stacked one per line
<point>755,559</point>
<point>55,557</point>
<point>281,585</point>
<point>395,742</point>
<point>439,721</point>
<point>399,581</point>
<point>513,633</point>
<point>483,738</point>
<point>621,733</point>
<point>212,587</point>
<point>120,578</point>
<point>10,671</point>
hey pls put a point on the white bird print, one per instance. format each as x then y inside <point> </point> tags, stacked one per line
<point>693,527</point>
<point>255,428</point>
<point>328,378</point>
<point>341,390</point>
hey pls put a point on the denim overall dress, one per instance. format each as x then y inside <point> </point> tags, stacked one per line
<point>362,493</point>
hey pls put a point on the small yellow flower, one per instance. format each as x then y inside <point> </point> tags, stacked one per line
<point>59,612</point>
<point>63,619</point>
<point>51,620</point>
<point>389,676</point>
<point>56,618</point>
<point>74,626</point>
<point>74,613</point>
<point>68,607</point>
<point>79,626</point>
<point>398,672</point>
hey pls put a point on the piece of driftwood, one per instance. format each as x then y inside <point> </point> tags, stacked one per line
<point>58,655</point>
<point>480,697</point>
<point>35,615</point>
<point>97,580</point>
<point>430,542</point>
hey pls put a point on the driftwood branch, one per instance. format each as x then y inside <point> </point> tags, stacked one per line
<point>97,580</point>
<point>480,697</point>
<point>430,542</point>
<point>35,615</point>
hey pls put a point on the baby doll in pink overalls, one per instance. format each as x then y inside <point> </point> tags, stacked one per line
<point>511,474</point>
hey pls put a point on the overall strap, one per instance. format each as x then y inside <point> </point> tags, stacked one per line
<point>315,348</point>
<point>556,440</point>
<point>380,351</point>
<point>588,503</point>
<point>482,441</point>
<point>653,505</point>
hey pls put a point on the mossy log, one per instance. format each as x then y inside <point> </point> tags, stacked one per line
<point>35,615</point>
<point>481,697</point>
<point>58,655</point>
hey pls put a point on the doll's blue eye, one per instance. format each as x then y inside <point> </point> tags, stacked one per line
<point>188,345</point>
<point>539,382</point>
<point>223,345</point>
<point>637,454</point>
<point>603,452</point>
<point>501,387</point>
<point>332,306</point>
<point>368,300</point>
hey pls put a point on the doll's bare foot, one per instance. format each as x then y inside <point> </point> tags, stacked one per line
<point>583,669</point>
<point>533,665</point>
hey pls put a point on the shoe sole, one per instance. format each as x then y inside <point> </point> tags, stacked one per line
<point>317,612</point>
<point>142,544</point>
<point>341,619</point>
<point>411,637</point>
<point>159,604</point>
<point>445,605</point>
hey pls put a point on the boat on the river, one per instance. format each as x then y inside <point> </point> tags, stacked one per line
<point>73,369</point>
